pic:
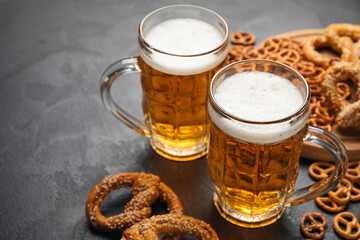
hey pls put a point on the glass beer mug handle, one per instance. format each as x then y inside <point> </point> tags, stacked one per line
<point>115,72</point>
<point>334,146</point>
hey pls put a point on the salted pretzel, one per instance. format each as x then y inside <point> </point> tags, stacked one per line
<point>351,224</point>
<point>320,170</point>
<point>316,227</point>
<point>243,38</point>
<point>348,113</point>
<point>353,171</point>
<point>329,205</point>
<point>342,193</point>
<point>146,189</point>
<point>150,228</point>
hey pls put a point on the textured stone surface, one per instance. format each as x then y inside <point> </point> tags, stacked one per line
<point>56,138</point>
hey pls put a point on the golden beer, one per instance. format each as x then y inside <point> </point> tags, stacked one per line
<point>175,83</point>
<point>255,142</point>
<point>180,49</point>
<point>254,179</point>
<point>175,109</point>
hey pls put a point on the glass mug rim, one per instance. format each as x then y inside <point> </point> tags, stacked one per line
<point>299,112</point>
<point>142,40</point>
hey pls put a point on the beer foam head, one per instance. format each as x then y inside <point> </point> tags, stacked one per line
<point>258,97</point>
<point>184,37</point>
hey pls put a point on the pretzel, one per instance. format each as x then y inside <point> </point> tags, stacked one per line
<point>310,52</point>
<point>236,50</point>
<point>349,116</point>
<point>318,98</point>
<point>351,224</point>
<point>320,170</point>
<point>146,189</point>
<point>272,45</point>
<point>353,171</point>
<point>343,90</point>
<point>288,56</point>
<point>243,38</point>
<point>348,113</point>
<point>329,205</point>
<point>342,195</point>
<point>232,59</point>
<point>323,112</point>
<point>305,68</point>
<point>319,122</point>
<point>355,53</point>
<point>340,36</point>
<point>150,228</point>
<point>252,52</point>
<point>315,89</point>
<point>316,229</point>
<point>291,43</point>
<point>355,192</point>
<point>317,77</point>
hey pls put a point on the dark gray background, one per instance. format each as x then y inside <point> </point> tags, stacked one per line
<point>56,138</point>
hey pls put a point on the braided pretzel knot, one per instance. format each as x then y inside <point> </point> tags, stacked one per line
<point>316,229</point>
<point>352,226</point>
<point>348,113</point>
<point>146,189</point>
<point>150,228</point>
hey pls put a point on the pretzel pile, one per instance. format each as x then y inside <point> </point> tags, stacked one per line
<point>146,189</point>
<point>326,76</point>
<point>335,201</point>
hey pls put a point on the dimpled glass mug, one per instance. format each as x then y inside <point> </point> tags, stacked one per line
<point>180,47</point>
<point>258,112</point>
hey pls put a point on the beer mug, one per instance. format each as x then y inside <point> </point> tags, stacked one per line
<point>180,49</point>
<point>258,122</point>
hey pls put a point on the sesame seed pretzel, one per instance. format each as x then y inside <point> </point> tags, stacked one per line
<point>146,189</point>
<point>150,228</point>
<point>351,224</point>
<point>348,113</point>
<point>316,229</point>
